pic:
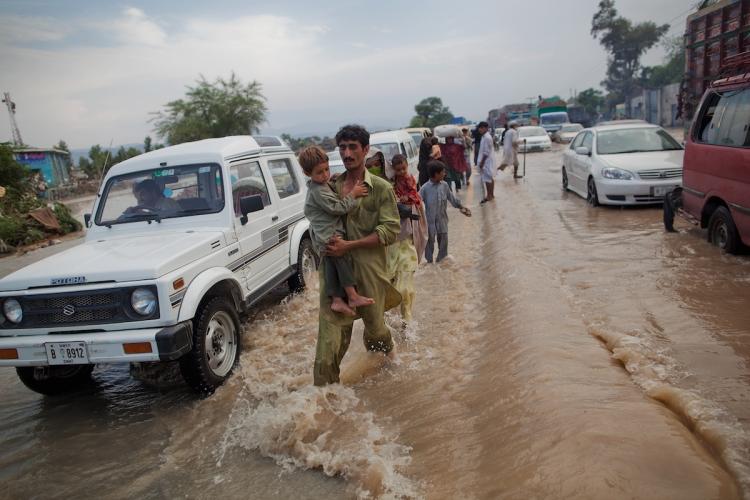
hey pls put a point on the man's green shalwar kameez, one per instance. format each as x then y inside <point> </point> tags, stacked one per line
<point>375,213</point>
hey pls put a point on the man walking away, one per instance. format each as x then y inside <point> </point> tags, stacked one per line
<point>510,148</point>
<point>487,161</point>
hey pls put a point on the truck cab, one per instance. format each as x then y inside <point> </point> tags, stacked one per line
<point>181,242</point>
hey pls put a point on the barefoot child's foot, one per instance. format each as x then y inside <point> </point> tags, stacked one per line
<point>359,301</point>
<point>338,305</point>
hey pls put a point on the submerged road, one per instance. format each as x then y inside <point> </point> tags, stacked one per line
<point>561,351</point>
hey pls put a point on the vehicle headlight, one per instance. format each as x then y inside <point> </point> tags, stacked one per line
<point>616,173</point>
<point>143,301</point>
<point>13,311</point>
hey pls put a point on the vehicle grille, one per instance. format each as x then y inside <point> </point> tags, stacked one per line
<point>79,308</point>
<point>661,173</point>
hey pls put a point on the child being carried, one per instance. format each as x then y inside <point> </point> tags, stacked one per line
<point>325,210</point>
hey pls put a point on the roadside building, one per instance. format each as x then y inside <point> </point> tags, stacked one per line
<point>658,106</point>
<point>52,164</point>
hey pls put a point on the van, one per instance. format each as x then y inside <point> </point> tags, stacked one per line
<point>716,176</point>
<point>396,142</point>
<point>418,133</point>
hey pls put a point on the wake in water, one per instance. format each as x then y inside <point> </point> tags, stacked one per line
<point>279,413</point>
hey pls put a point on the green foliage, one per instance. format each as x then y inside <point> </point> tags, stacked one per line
<point>297,143</point>
<point>673,68</point>
<point>431,113</point>
<point>626,43</point>
<point>68,223</point>
<point>13,175</point>
<point>591,100</point>
<point>12,230</point>
<point>219,109</point>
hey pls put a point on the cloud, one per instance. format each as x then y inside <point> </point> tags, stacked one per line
<point>136,28</point>
<point>26,30</point>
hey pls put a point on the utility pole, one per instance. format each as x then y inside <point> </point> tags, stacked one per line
<point>13,125</point>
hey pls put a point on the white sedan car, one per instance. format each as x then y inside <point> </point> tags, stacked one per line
<point>533,139</point>
<point>629,164</point>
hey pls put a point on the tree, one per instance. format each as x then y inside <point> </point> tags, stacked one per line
<point>62,146</point>
<point>97,163</point>
<point>673,68</point>
<point>626,43</point>
<point>13,175</point>
<point>219,109</point>
<point>591,100</point>
<point>431,113</point>
<point>147,144</point>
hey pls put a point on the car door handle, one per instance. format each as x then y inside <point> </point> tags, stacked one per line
<point>275,218</point>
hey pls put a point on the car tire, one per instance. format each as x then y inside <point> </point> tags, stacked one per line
<point>564,179</point>
<point>591,195</point>
<point>216,347</point>
<point>54,380</point>
<point>722,232</point>
<point>307,264</point>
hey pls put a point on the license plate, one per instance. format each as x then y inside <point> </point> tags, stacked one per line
<point>67,353</point>
<point>661,190</point>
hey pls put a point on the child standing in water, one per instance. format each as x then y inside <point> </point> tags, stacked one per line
<point>436,194</point>
<point>324,209</point>
<point>405,254</point>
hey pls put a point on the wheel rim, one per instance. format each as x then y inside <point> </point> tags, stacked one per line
<point>308,264</point>
<point>721,235</point>
<point>220,343</point>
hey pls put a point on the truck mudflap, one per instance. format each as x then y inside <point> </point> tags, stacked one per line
<point>120,346</point>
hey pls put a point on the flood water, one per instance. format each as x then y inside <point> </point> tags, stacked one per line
<point>561,351</point>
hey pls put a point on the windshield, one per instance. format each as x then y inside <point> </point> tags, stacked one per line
<point>635,140</point>
<point>531,132</point>
<point>554,118</point>
<point>162,193</point>
<point>389,149</point>
<point>571,128</point>
<point>417,136</point>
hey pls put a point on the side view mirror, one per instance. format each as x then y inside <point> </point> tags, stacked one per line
<point>87,220</point>
<point>583,150</point>
<point>250,204</point>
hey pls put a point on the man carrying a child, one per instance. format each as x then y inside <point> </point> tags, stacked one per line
<point>371,226</point>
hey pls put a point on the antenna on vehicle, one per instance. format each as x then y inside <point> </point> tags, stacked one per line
<point>106,159</point>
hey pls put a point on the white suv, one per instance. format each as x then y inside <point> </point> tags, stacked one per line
<point>181,242</point>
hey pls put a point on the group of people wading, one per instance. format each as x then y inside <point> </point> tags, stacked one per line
<point>371,225</point>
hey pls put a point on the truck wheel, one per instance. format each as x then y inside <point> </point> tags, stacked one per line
<point>53,380</point>
<point>307,264</point>
<point>722,232</point>
<point>216,347</point>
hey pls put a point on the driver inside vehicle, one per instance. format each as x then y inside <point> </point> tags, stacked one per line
<point>151,198</point>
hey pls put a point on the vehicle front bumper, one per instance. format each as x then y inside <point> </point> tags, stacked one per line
<point>544,146</point>
<point>167,344</point>
<point>633,192</point>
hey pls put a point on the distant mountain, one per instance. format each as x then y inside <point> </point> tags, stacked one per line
<point>75,154</point>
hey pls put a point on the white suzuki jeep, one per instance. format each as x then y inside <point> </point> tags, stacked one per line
<point>182,240</point>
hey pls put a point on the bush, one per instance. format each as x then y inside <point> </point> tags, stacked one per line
<point>12,230</point>
<point>68,223</point>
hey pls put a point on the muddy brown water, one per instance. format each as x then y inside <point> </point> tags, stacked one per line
<point>561,351</point>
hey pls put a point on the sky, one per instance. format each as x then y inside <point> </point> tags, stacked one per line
<point>93,71</point>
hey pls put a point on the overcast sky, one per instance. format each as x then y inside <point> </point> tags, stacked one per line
<point>91,71</point>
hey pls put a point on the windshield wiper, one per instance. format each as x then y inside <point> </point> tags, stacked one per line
<point>190,211</point>
<point>140,217</point>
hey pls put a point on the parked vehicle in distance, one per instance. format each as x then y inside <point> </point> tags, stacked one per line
<point>335,163</point>
<point>394,142</point>
<point>551,122</point>
<point>418,133</point>
<point>715,192</point>
<point>629,164</point>
<point>533,139</point>
<point>182,241</point>
<point>567,132</point>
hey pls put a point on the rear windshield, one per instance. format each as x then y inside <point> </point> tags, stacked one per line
<point>635,140</point>
<point>532,132</point>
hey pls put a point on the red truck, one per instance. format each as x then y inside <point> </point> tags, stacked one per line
<point>717,31</point>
